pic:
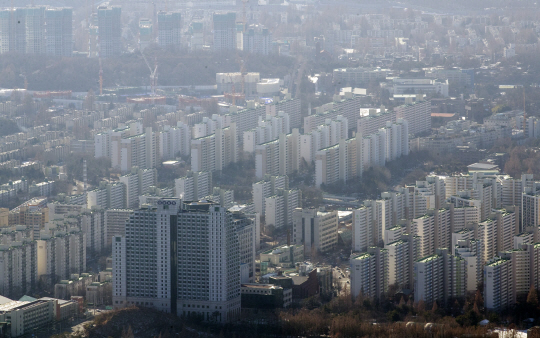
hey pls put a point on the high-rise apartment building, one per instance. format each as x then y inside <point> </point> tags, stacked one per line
<point>188,255</point>
<point>13,30</point>
<point>223,197</point>
<point>115,223</point>
<point>60,254</point>
<point>266,188</point>
<point>137,183</point>
<point>169,29</point>
<point>401,257</point>
<point>268,130</point>
<point>107,196</point>
<point>418,115</point>
<point>248,118</point>
<point>471,251</point>
<point>257,40</point>
<point>59,31</point>
<point>510,275</point>
<point>18,266</point>
<point>339,163</point>
<point>370,273</point>
<point>224,32</point>
<point>315,229</point>
<point>439,277</point>
<point>278,157</point>
<point>279,207</point>
<point>530,208</point>
<point>347,106</point>
<point>35,30</point>
<point>215,151</point>
<point>194,186</point>
<point>128,147</point>
<point>174,141</point>
<point>434,229</point>
<point>92,224</point>
<point>371,123</point>
<point>109,31</point>
<point>363,225</point>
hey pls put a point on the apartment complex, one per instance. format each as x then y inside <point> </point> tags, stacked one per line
<point>370,273</point>
<point>418,115</point>
<point>115,223</point>
<point>257,39</point>
<point>171,243</point>
<point>266,188</point>
<point>224,32</point>
<point>137,183</point>
<point>194,186</point>
<point>127,147</point>
<point>169,29</point>
<point>37,30</point>
<point>174,141</point>
<point>109,31</point>
<point>215,151</point>
<point>278,157</point>
<point>61,253</point>
<point>510,275</point>
<point>439,277</point>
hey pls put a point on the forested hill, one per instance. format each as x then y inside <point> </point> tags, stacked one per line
<point>175,68</point>
<point>8,127</point>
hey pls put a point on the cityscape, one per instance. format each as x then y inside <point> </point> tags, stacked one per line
<point>269,168</point>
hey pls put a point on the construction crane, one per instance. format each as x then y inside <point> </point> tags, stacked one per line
<point>100,77</point>
<point>233,91</point>
<point>244,21</point>
<point>153,76</point>
<point>525,131</point>
<point>243,74</point>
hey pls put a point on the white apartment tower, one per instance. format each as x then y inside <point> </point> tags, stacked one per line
<point>61,254</point>
<point>278,157</point>
<point>18,266</point>
<point>194,186</point>
<point>174,141</point>
<point>215,151</point>
<point>401,257</point>
<point>266,188</point>
<point>439,277</point>
<point>417,114</point>
<point>137,183</point>
<point>370,273</point>
<point>170,244</point>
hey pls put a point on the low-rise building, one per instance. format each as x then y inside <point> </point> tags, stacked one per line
<point>284,256</point>
<point>265,296</point>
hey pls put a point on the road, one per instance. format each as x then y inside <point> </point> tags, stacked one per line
<point>342,276</point>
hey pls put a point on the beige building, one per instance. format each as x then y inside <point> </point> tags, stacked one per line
<point>315,229</point>
<point>4,217</point>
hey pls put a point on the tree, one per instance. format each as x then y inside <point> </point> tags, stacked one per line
<point>421,306</point>
<point>127,333</point>
<point>532,297</point>
<point>435,307</point>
